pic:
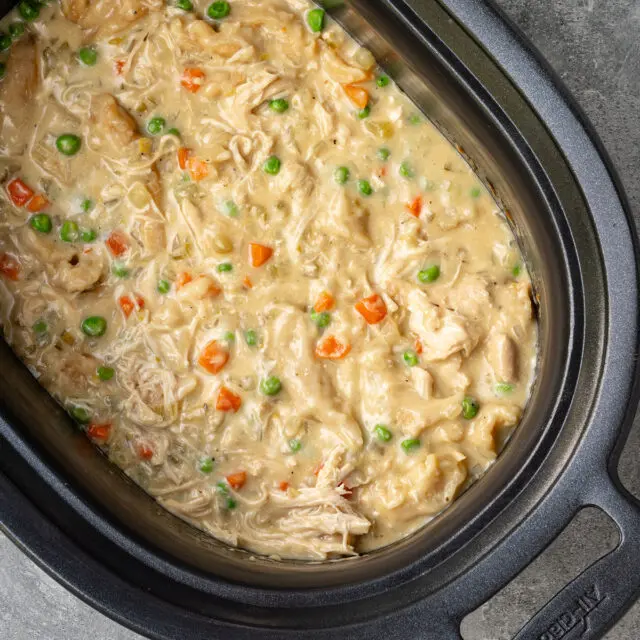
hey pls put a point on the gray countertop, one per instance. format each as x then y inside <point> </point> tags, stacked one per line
<point>594,46</point>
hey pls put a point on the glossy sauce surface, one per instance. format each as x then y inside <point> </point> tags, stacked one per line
<point>254,273</point>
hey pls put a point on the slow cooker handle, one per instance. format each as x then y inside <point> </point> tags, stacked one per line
<point>594,600</point>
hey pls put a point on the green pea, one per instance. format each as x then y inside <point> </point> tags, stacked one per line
<point>68,144</point>
<point>230,208</point>
<point>315,20</point>
<point>382,81</point>
<point>470,408</point>
<point>383,154</point>
<point>295,445</point>
<point>517,270</point>
<point>383,433</point>
<point>251,337</point>
<point>69,231</point>
<point>231,504</point>
<point>222,488</point>
<point>405,170</point>
<point>272,166</point>
<point>206,465</point>
<point>106,373</point>
<point>3,69</point>
<point>174,132</point>
<point>29,10</point>
<point>86,205</point>
<point>429,274</point>
<point>80,415</point>
<point>364,113</point>
<point>321,319</point>
<point>119,270</point>
<point>88,235</point>
<point>224,267</point>
<point>415,119</point>
<point>16,29</point>
<point>364,187</point>
<point>185,5</point>
<point>94,326</point>
<point>411,358</point>
<point>219,10</point>
<point>271,386</point>
<point>229,336</point>
<point>163,286</point>
<point>40,326</point>
<point>5,42</point>
<point>88,56</point>
<point>410,444</point>
<point>475,192</point>
<point>503,388</point>
<point>279,105</point>
<point>341,175</point>
<point>41,222</point>
<point>156,125</point>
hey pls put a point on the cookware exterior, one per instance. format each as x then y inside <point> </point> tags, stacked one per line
<point>102,537</point>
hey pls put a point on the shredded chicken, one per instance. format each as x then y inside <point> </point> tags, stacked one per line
<point>255,275</point>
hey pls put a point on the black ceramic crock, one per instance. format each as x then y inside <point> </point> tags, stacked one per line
<point>108,542</point>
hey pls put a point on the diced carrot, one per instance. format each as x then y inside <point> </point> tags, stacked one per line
<point>259,254</point>
<point>198,169</point>
<point>417,346</point>
<point>325,302</point>
<point>183,156</point>
<point>37,203</point>
<point>119,66</point>
<point>332,349</point>
<point>318,468</point>
<point>117,243</point>
<point>213,290</point>
<point>128,304</point>
<point>19,192</point>
<point>358,95</point>
<point>415,206</point>
<point>144,451</point>
<point>213,357</point>
<point>9,266</point>
<point>237,480</point>
<point>99,431</point>
<point>283,486</point>
<point>372,309</point>
<point>182,279</point>
<point>247,283</point>
<point>192,79</point>
<point>382,171</point>
<point>228,400</point>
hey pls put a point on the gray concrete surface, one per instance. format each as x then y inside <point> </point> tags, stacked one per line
<point>595,47</point>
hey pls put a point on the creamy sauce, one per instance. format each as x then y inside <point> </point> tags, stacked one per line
<point>257,277</point>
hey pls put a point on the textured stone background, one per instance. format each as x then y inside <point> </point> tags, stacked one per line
<point>594,46</point>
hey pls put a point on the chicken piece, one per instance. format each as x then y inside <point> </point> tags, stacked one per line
<point>68,370</point>
<point>16,94</point>
<point>114,128</point>
<point>153,397</point>
<point>442,332</point>
<point>69,268</point>
<point>482,429</point>
<point>343,219</point>
<point>338,70</point>
<point>502,354</point>
<point>105,17</point>
<point>418,485</point>
<point>315,522</point>
<point>422,382</point>
<point>78,271</point>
